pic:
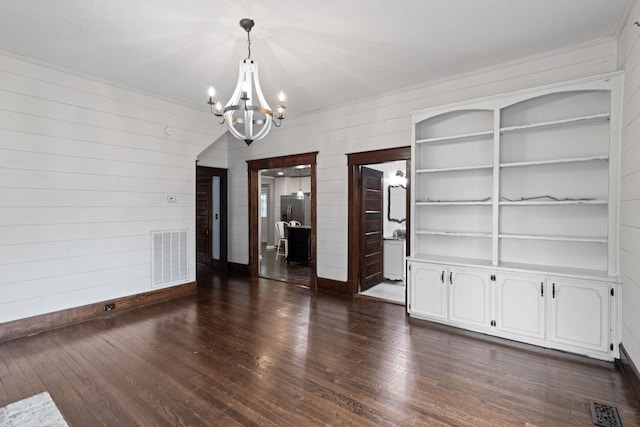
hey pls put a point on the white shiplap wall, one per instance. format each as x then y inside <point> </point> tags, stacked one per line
<point>629,61</point>
<point>378,123</point>
<point>85,169</point>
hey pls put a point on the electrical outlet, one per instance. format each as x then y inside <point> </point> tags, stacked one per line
<point>109,307</point>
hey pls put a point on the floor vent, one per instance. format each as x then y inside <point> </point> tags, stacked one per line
<point>169,263</point>
<point>604,415</point>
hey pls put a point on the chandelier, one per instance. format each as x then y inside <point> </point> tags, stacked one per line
<point>247,119</point>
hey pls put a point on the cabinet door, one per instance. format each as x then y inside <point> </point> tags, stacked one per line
<point>579,314</point>
<point>469,297</point>
<point>427,290</point>
<point>520,304</point>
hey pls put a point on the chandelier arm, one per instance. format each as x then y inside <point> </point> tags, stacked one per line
<point>263,102</point>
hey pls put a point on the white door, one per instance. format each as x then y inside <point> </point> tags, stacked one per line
<point>520,304</point>
<point>469,297</point>
<point>427,290</point>
<point>579,314</point>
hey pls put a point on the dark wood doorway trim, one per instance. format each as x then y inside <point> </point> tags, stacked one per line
<point>203,172</point>
<point>355,228</point>
<point>254,167</point>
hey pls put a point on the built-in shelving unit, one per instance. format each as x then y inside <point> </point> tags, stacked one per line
<point>514,226</point>
<point>521,179</point>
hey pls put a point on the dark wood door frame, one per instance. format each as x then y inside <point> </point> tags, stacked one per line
<point>209,173</point>
<point>355,227</point>
<point>254,167</point>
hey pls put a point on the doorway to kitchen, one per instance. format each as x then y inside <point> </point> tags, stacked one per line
<point>282,212</point>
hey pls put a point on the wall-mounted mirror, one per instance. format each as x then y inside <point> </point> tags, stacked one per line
<point>397,211</point>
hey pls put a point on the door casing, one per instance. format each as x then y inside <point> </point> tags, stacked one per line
<point>254,168</point>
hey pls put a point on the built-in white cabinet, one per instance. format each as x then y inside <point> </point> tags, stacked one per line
<point>570,314</point>
<point>523,186</point>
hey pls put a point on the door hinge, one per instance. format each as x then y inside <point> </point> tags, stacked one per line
<point>493,277</point>
<point>612,292</point>
<point>611,346</point>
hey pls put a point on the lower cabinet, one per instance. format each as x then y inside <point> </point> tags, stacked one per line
<point>576,315</point>
<point>579,314</point>
<point>470,298</point>
<point>428,295</point>
<point>520,305</point>
<point>458,296</point>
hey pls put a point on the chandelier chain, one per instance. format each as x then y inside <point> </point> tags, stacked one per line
<point>249,44</point>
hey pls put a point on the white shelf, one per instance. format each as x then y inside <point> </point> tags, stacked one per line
<point>553,202</point>
<point>455,169</point>
<point>579,239</point>
<point>555,161</point>
<point>512,266</point>
<point>458,261</point>
<point>555,270</point>
<point>454,138</point>
<point>555,123</point>
<point>455,233</point>
<point>454,203</point>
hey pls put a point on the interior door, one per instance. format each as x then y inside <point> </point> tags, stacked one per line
<point>371,247</point>
<point>211,217</point>
<point>203,218</point>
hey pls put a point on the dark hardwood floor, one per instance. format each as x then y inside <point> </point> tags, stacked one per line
<point>267,353</point>
<point>279,269</point>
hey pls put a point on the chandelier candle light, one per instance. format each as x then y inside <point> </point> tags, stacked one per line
<point>246,120</point>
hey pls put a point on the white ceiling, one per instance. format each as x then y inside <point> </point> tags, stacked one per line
<point>319,53</point>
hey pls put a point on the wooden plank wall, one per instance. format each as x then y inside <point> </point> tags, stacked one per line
<point>629,61</point>
<point>85,170</point>
<point>384,122</point>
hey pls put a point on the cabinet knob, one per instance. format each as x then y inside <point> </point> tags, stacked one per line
<point>451,277</point>
<point>541,289</point>
<point>442,277</point>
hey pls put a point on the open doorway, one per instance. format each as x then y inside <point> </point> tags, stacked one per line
<point>377,228</point>
<point>285,224</point>
<point>282,193</point>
